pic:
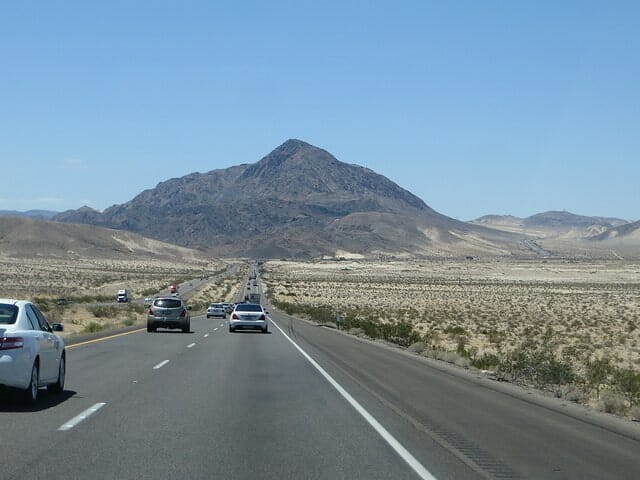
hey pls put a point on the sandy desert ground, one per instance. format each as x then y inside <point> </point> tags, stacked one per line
<point>584,311</point>
<point>594,307</point>
<point>87,282</point>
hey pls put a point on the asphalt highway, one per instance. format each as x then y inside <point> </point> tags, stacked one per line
<point>302,402</point>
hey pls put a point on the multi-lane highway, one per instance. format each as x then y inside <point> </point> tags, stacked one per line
<point>302,402</point>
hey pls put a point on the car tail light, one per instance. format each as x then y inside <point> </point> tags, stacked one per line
<point>262,317</point>
<point>10,343</point>
<point>234,316</point>
<point>184,312</point>
<point>150,312</point>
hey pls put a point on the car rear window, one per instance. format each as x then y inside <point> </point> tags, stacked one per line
<point>215,305</point>
<point>8,314</point>
<point>248,307</point>
<point>167,303</point>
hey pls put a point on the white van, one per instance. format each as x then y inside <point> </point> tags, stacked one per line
<point>123,296</point>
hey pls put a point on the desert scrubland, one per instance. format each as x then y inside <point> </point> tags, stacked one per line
<point>91,285</point>
<point>579,320</point>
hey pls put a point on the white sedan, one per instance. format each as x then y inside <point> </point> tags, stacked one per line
<point>31,354</point>
<point>250,316</point>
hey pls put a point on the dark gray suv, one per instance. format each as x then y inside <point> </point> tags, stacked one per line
<point>168,312</point>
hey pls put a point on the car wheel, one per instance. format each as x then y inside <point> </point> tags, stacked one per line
<point>31,392</point>
<point>187,328</point>
<point>150,328</point>
<point>230,329</point>
<point>265,330</point>
<point>58,387</point>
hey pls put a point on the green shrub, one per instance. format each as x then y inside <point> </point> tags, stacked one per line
<point>612,402</point>
<point>597,373</point>
<point>486,361</point>
<point>454,330</point>
<point>93,327</point>
<point>627,381</point>
<point>127,322</point>
<point>401,333</point>
<point>417,347</point>
<point>137,308</point>
<point>535,362</point>
<point>104,311</point>
<point>572,393</point>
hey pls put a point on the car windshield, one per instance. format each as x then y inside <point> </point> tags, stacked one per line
<point>8,314</point>
<point>248,307</point>
<point>215,305</point>
<point>167,303</point>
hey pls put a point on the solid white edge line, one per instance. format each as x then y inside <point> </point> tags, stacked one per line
<point>161,364</point>
<point>79,418</point>
<point>191,345</point>
<point>417,467</point>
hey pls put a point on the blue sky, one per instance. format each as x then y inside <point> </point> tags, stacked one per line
<point>477,107</point>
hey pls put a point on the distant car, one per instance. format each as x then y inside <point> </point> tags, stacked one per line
<point>228,307</point>
<point>31,355</point>
<point>216,310</point>
<point>249,316</point>
<point>168,312</point>
<point>62,301</point>
<point>148,300</point>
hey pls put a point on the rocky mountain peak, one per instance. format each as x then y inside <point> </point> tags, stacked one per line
<point>297,192</point>
<point>293,155</point>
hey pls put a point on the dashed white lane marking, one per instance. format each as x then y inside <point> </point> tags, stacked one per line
<point>206,335</point>
<point>161,364</point>
<point>191,345</point>
<point>215,329</point>
<point>79,418</point>
<point>413,462</point>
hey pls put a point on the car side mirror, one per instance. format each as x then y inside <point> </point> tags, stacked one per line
<point>57,327</point>
<point>267,312</point>
<point>189,307</point>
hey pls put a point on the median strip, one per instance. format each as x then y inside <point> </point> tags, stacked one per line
<point>79,418</point>
<point>102,339</point>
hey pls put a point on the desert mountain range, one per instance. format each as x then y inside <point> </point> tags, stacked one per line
<point>301,202</point>
<point>22,237</point>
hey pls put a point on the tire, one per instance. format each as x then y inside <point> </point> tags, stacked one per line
<point>187,328</point>
<point>150,328</point>
<point>265,330</point>
<point>230,329</point>
<point>58,387</point>
<point>31,392</point>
